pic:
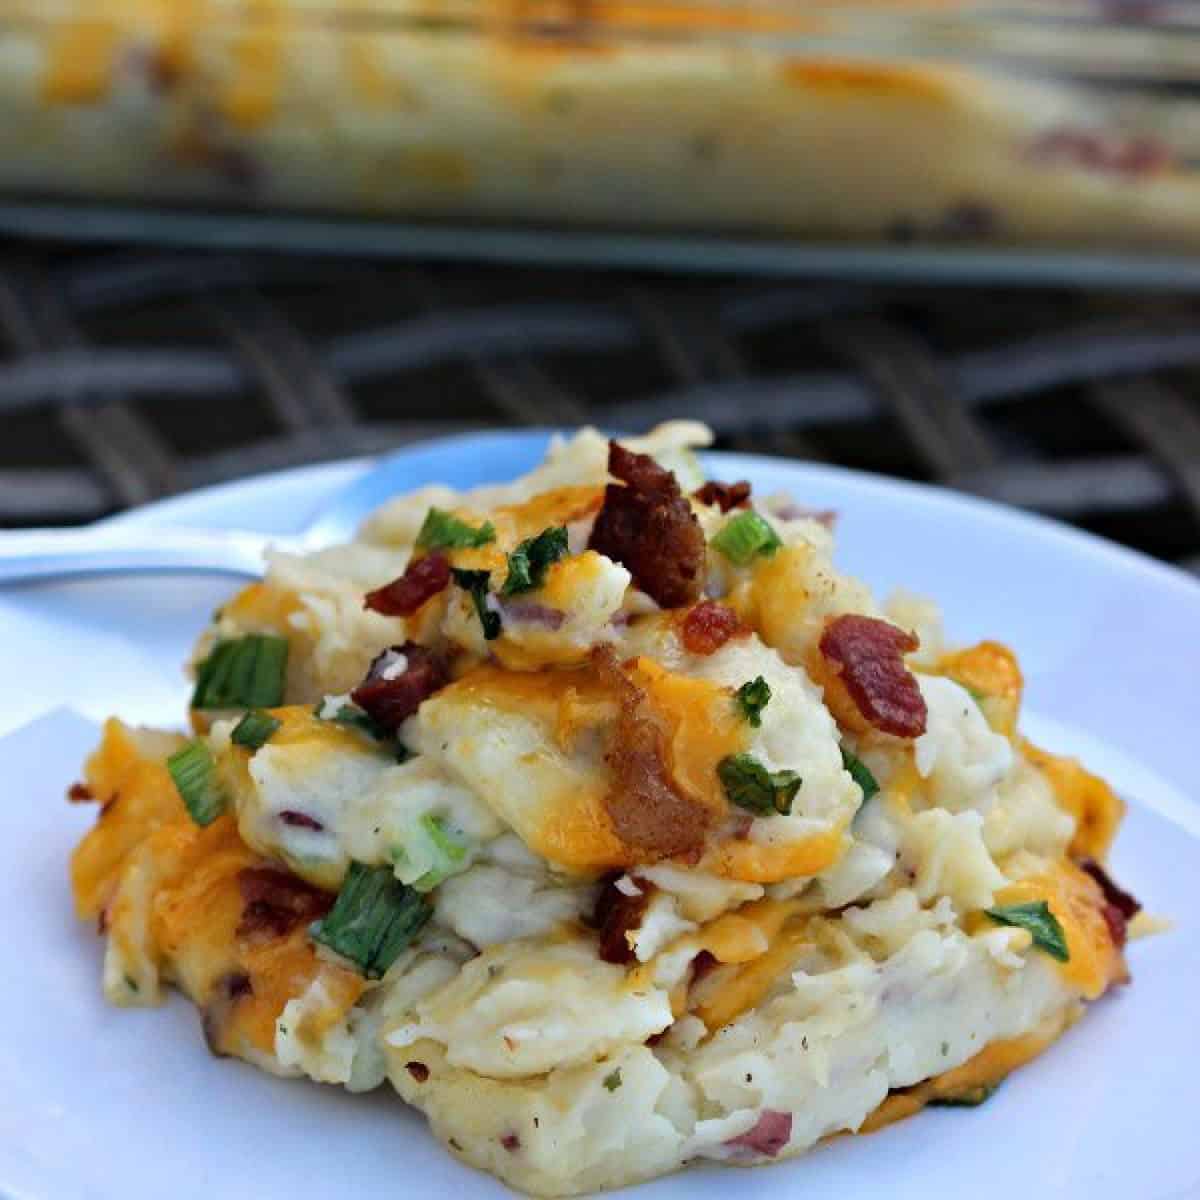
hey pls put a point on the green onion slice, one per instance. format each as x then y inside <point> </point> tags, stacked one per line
<point>444,531</point>
<point>749,785</point>
<point>255,729</point>
<point>476,583</point>
<point>860,773</point>
<point>247,672</point>
<point>745,537</point>
<point>752,698</point>
<point>1035,916</point>
<point>612,1080</point>
<point>529,562</point>
<point>374,918</point>
<point>194,774</point>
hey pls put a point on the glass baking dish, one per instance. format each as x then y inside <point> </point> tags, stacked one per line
<point>1043,131</point>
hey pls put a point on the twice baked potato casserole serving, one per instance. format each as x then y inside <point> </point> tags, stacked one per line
<point>611,824</point>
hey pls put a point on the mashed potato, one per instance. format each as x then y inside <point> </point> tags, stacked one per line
<point>607,820</point>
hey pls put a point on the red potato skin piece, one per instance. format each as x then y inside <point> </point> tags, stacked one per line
<point>647,812</point>
<point>647,525</point>
<point>770,1134</point>
<point>390,702</point>
<point>725,495</point>
<point>708,626</point>
<point>868,655</point>
<point>421,581</point>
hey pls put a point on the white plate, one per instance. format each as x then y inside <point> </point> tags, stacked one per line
<point>109,1104</point>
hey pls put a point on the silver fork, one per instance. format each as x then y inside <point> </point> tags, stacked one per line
<point>27,555</point>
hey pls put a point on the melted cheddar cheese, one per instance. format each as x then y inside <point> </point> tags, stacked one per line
<point>1097,809</point>
<point>1076,900</point>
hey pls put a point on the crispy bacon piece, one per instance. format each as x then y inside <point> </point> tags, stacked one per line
<point>511,1142</point>
<point>769,1134</point>
<point>868,655</point>
<point>615,915</point>
<point>649,526</point>
<point>421,580</point>
<point>218,1008</point>
<point>727,495</point>
<point>275,902</point>
<point>1119,906</point>
<point>418,1070</point>
<point>392,692</point>
<point>708,626</point>
<point>646,811</point>
<point>79,793</point>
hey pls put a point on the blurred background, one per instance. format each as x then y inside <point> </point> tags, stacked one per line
<point>947,240</point>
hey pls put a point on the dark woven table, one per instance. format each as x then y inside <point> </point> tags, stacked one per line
<point>131,375</point>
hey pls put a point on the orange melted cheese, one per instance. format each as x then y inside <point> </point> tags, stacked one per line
<point>136,796</point>
<point>1076,900</point>
<point>755,862</point>
<point>992,672</point>
<point>856,80</point>
<point>1097,809</point>
<point>702,726</point>
<point>195,901</point>
<point>755,946</point>
<point>80,62</point>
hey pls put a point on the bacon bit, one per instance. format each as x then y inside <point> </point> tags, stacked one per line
<point>649,526</point>
<point>646,811</point>
<point>708,626</point>
<point>390,702</point>
<point>511,1142</point>
<point>275,902</point>
<point>727,495</point>
<point>218,1008</point>
<point>770,1133</point>
<point>421,581</point>
<point>1119,906</point>
<point>617,913</point>
<point>300,820</point>
<point>868,656</point>
<point>418,1070</point>
<point>80,793</point>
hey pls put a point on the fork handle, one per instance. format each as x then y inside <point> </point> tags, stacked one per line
<point>31,554</point>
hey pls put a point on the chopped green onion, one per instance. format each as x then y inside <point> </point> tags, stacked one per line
<point>749,785</point>
<point>374,918</point>
<point>1037,918</point>
<point>752,698</point>
<point>746,536</point>
<point>529,562</point>
<point>446,852</point>
<point>255,729</point>
<point>971,1097</point>
<point>612,1080</point>
<point>355,718</point>
<point>860,773</point>
<point>476,583</point>
<point>194,774</point>
<point>247,672</point>
<point>444,531</point>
